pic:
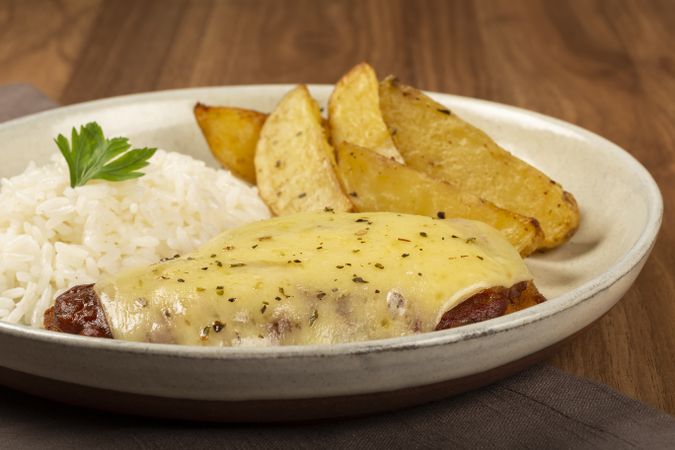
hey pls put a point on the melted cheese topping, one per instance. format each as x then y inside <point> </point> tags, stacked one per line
<point>312,278</point>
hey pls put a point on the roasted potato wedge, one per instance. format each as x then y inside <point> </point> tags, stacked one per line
<point>376,183</point>
<point>232,135</point>
<point>354,113</point>
<point>294,163</point>
<point>435,141</point>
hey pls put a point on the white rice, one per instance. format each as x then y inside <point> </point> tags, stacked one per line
<point>53,237</point>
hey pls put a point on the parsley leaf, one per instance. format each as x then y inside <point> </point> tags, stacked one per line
<point>90,156</point>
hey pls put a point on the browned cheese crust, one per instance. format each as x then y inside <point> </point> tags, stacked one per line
<point>79,310</point>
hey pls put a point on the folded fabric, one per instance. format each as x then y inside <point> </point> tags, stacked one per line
<point>19,99</point>
<point>542,407</point>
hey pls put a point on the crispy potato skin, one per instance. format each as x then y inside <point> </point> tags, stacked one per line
<point>434,140</point>
<point>376,183</point>
<point>295,164</point>
<point>232,135</point>
<point>354,113</point>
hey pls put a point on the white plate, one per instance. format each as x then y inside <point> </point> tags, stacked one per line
<point>621,211</point>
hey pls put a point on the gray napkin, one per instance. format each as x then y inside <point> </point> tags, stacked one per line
<point>542,407</point>
<point>17,100</point>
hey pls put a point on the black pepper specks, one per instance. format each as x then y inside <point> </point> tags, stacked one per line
<point>440,214</point>
<point>170,258</point>
<point>358,280</point>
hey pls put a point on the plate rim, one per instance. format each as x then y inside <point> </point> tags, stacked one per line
<point>623,266</point>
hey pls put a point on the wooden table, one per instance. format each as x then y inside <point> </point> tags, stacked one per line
<point>606,66</point>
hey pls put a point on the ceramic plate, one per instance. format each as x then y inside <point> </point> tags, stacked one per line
<point>621,211</point>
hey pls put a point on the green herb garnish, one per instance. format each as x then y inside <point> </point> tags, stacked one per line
<point>90,156</point>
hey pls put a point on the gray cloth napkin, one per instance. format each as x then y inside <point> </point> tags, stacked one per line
<point>542,407</point>
<point>17,100</point>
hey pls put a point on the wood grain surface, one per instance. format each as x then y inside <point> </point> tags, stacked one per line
<point>608,66</point>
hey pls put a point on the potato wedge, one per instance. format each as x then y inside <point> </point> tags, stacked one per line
<point>232,135</point>
<point>376,183</point>
<point>435,141</point>
<point>294,163</point>
<point>354,113</point>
